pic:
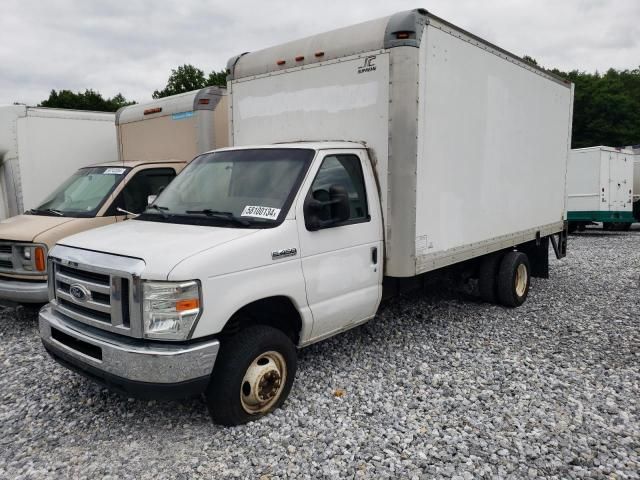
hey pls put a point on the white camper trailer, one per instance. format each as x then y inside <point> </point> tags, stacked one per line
<point>600,187</point>
<point>177,127</point>
<point>42,147</point>
<point>409,145</point>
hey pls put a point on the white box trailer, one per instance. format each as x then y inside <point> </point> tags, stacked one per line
<point>42,147</point>
<point>600,187</point>
<point>470,143</point>
<point>176,127</point>
<point>431,147</point>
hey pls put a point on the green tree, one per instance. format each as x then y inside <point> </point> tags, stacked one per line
<point>186,78</point>
<point>87,100</point>
<point>606,107</point>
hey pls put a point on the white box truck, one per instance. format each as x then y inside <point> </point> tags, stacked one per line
<point>155,140</point>
<point>41,147</point>
<point>176,127</point>
<point>600,188</point>
<point>376,152</point>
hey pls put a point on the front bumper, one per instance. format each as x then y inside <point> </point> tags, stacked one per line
<point>23,291</point>
<point>136,368</point>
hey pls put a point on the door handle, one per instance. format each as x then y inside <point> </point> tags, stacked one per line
<point>374,255</point>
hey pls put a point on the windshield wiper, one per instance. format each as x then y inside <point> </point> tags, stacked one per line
<point>215,213</point>
<point>160,209</point>
<point>47,210</point>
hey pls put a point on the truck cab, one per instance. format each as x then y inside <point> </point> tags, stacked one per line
<point>94,196</point>
<point>284,241</point>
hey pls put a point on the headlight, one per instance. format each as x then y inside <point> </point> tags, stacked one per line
<point>170,309</point>
<point>31,258</point>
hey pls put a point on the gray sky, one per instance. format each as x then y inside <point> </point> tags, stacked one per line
<point>131,46</point>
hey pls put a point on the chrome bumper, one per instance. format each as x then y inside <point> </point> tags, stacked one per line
<point>24,292</point>
<point>122,361</point>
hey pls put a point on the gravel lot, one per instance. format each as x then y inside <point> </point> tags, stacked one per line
<point>437,386</point>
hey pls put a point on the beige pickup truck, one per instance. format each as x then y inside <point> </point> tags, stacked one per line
<point>94,196</point>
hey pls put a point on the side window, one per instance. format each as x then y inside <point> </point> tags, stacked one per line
<point>341,171</point>
<point>133,196</point>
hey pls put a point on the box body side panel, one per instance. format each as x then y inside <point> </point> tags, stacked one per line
<point>584,189</point>
<point>493,157</point>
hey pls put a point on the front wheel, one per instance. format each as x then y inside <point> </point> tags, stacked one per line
<point>513,279</point>
<point>252,376</point>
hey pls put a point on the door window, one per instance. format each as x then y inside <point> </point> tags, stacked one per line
<point>342,171</point>
<point>133,197</point>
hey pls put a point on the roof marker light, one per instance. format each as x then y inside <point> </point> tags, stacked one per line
<point>149,111</point>
<point>281,62</point>
<point>402,35</point>
<point>299,58</point>
<point>203,101</point>
<point>319,54</point>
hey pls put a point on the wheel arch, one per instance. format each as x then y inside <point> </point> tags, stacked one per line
<point>278,311</point>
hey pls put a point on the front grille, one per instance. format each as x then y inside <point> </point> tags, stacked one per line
<point>98,298</point>
<point>87,311</point>
<point>6,248</point>
<point>6,264</point>
<point>84,275</point>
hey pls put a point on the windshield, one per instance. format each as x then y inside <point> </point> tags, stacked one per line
<point>83,194</point>
<point>252,187</point>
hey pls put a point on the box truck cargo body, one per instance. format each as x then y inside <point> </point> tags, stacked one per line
<point>600,187</point>
<point>470,143</point>
<point>42,147</point>
<point>376,152</point>
<point>176,127</point>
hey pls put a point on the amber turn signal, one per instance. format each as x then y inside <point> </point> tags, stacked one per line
<point>41,261</point>
<point>188,304</point>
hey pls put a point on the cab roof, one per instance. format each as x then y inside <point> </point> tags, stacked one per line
<point>132,163</point>
<point>309,144</point>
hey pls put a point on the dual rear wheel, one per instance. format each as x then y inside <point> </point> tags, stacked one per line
<point>505,278</point>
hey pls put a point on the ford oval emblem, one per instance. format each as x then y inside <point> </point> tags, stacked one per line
<point>80,293</point>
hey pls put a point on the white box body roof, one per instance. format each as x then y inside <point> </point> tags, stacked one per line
<point>600,179</point>
<point>178,127</point>
<point>469,142</point>
<point>42,147</point>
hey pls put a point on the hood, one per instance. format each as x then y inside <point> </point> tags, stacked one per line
<point>161,245</point>
<point>25,228</point>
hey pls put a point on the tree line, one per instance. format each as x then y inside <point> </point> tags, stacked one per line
<point>606,108</point>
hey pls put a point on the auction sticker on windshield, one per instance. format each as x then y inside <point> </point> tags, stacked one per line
<point>114,171</point>
<point>260,212</point>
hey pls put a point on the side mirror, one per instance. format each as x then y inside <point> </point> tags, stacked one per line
<point>327,208</point>
<point>151,199</point>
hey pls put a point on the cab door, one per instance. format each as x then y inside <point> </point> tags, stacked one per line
<point>144,183</point>
<point>341,261</point>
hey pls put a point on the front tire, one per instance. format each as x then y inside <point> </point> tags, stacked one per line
<point>252,376</point>
<point>514,278</point>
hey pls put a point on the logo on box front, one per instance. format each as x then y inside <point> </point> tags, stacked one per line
<point>369,65</point>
